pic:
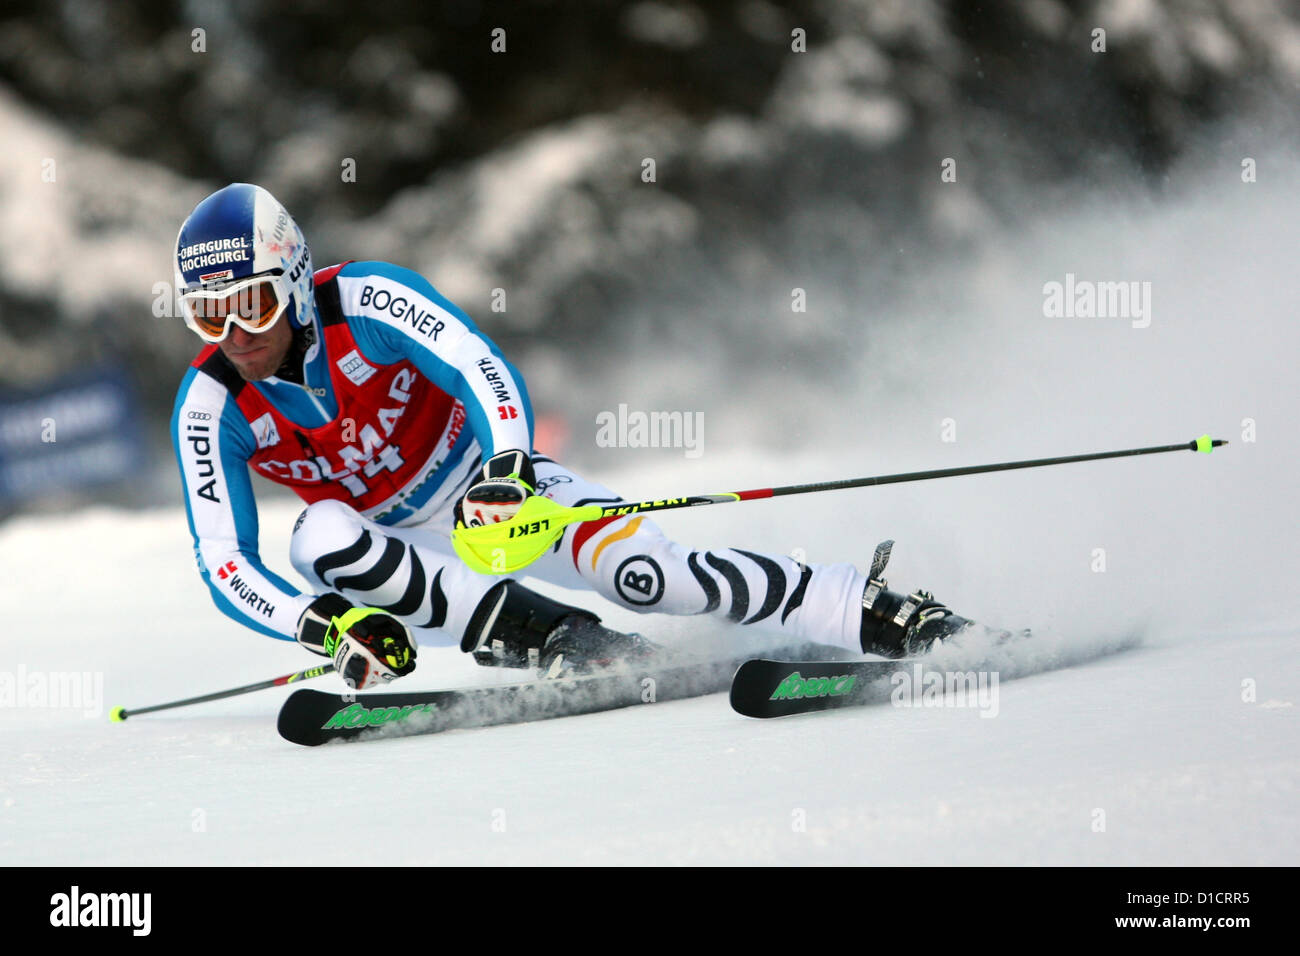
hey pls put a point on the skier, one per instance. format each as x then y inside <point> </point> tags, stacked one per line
<point>382,405</point>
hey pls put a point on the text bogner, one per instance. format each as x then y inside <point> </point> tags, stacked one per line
<point>102,909</point>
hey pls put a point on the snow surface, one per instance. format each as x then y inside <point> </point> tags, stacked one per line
<point>1182,750</point>
<point>1158,738</point>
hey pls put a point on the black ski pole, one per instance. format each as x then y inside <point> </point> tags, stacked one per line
<point>119,714</point>
<point>512,545</point>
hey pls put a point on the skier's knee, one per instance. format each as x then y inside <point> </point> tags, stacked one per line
<point>629,565</point>
<point>323,527</point>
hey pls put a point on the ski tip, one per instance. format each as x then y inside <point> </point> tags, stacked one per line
<point>742,707</point>
<point>117,714</point>
<point>751,670</point>
<point>299,717</point>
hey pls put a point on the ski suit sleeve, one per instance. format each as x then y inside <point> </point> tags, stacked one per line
<point>396,314</point>
<point>213,443</point>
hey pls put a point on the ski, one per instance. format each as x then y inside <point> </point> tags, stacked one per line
<point>772,688</point>
<point>783,687</point>
<point>312,717</point>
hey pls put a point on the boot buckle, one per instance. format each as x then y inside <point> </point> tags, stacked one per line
<point>872,592</point>
<point>906,610</point>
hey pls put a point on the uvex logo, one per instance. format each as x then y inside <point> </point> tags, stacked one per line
<point>796,687</point>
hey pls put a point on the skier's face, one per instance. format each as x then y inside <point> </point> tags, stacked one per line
<point>256,355</point>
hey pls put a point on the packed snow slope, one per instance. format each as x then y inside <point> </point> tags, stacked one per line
<point>1156,743</point>
<point>1182,750</point>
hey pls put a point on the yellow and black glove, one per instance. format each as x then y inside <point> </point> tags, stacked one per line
<point>368,646</point>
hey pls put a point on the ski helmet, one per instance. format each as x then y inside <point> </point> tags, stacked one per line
<point>241,238</point>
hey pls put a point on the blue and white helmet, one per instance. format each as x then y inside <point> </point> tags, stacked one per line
<point>238,233</point>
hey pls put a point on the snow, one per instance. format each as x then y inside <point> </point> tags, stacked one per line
<point>1158,738</point>
<point>63,201</point>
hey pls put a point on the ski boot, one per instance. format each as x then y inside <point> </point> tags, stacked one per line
<point>514,626</point>
<point>894,625</point>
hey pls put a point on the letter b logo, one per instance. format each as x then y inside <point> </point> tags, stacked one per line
<point>639,580</point>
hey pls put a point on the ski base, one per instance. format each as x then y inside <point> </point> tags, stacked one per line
<point>312,717</point>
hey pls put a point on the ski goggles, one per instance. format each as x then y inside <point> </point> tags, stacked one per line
<point>254,304</point>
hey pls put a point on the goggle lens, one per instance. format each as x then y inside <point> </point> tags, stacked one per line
<point>255,307</point>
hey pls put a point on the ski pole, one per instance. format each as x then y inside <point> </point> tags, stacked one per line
<point>118,714</point>
<point>508,546</point>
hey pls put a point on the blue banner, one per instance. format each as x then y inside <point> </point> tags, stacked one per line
<point>78,432</point>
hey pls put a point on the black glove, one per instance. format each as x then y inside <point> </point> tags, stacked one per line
<point>369,647</point>
<point>503,483</point>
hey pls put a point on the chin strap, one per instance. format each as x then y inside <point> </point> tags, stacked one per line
<point>293,368</point>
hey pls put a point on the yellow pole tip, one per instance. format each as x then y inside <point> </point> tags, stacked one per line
<point>117,715</point>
